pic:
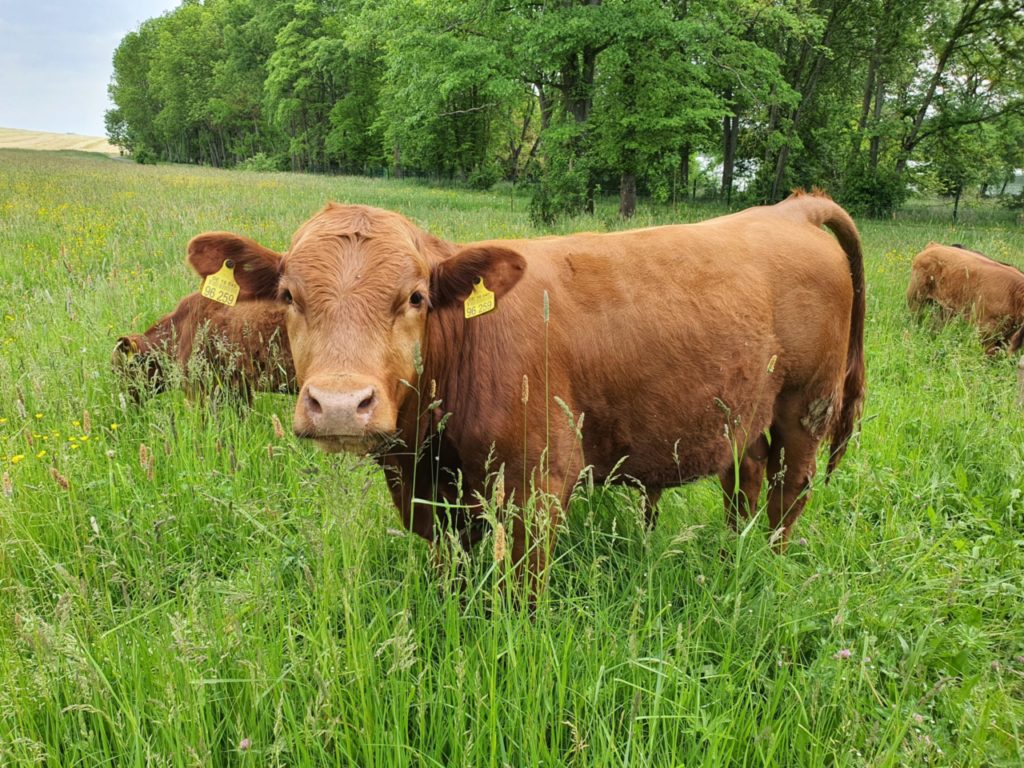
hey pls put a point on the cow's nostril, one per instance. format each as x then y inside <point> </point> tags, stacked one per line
<point>313,405</point>
<point>366,403</point>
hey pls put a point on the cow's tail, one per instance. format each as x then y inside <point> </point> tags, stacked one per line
<point>821,210</point>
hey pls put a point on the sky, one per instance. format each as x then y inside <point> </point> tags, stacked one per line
<point>55,60</point>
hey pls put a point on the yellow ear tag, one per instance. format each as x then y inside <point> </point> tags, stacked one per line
<point>480,301</point>
<point>221,285</point>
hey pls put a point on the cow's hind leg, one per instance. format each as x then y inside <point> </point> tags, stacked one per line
<point>798,429</point>
<point>741,484</point>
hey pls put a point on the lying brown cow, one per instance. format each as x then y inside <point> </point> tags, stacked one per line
<point>964,282</point>
<point>243,348</point>
<point>720,348</point>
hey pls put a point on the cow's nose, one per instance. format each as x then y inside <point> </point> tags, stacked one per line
<point>333,412</point>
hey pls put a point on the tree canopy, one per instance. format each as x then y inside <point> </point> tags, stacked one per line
<point>867,98</point>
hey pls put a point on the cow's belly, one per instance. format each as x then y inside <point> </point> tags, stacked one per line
<point>686,416</point>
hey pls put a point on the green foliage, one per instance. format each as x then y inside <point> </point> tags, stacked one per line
<point>850,95</point>
<point>259,162</point>
<point>876,192</point>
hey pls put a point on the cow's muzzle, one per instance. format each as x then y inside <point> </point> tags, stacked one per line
<point>340,413</point>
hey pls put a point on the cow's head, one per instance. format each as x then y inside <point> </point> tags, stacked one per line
<point>139,361</point>
<point>359,284</point>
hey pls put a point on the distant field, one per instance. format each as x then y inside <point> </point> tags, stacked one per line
<point>180,586</point>
<point>15,138</point>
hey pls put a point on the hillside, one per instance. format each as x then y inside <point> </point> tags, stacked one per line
<point>16,138</point>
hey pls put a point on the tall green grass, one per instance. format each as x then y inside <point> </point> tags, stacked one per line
<point>224,596</point>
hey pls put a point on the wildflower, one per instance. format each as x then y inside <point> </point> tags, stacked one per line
<point>114,426</point>
<point>76,423</point>
<point>701,579</point>
<point>842,654</point>
<point>110,454</point>
<point>39,415</point>
<point>244,744</point>
<point>84,438</point>
<point>3,421</point>
<point>17,457</point>
<point>41,454</point>
<point>59,478</point>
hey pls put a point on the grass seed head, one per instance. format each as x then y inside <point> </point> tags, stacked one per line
<point>59,478</point>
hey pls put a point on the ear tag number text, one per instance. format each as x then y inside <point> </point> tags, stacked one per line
<point>480,301</point>
<point>221,285</point>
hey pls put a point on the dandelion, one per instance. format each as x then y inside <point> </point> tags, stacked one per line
<point>278,429</point>
<point>41,454</point>
<point>59,478</point>
<point>842,654</point>
<point>84,438</point>
<point>17,457</point>
<point>114,426</point>
<point>39,415</point>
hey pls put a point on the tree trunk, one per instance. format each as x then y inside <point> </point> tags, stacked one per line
<point>627,195</point>
<point>807,97</point>
<point>956,201</point>
<point>963,23</point>
<point>876,141</point>
<point>730,132</point>
<point>397,161</point>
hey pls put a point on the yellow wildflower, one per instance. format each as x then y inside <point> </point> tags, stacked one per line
<point>17,457</point>
<point>41,454</point>
<point>114,427</point>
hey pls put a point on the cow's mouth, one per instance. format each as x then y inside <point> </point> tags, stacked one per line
<point>372,443</point>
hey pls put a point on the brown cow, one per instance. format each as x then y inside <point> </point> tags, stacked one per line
<point>964,282</point>
<point>720,348</point>
<point>243,348</point>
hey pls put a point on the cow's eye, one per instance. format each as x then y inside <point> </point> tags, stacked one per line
<point>286,296</point>
<point>416,299</point>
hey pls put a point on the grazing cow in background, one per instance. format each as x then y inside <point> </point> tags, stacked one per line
<point>728,348</point>
<point>963,282</point>
<point>243,348</point>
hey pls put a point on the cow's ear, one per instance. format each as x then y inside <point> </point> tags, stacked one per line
<point>257,269</point>
<point>452,279</point>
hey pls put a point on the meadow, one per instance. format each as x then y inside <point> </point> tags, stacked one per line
<point>184,584</point>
